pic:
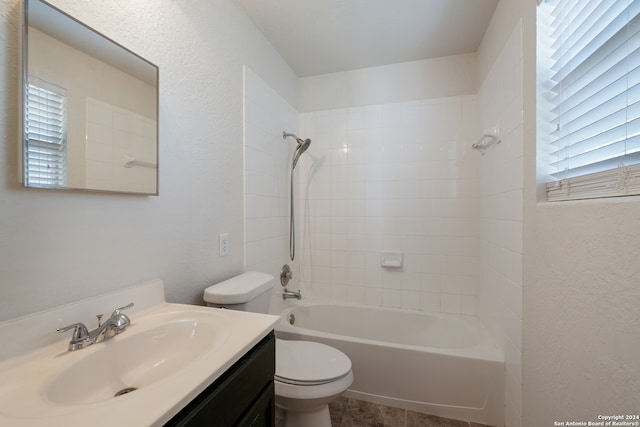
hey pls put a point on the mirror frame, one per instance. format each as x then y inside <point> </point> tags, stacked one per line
<point>25,87</point>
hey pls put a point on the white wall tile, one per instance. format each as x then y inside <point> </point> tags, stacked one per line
<point>410,299</point>
<point>469,304</point>
<point>499,301</point>
<point>450,303</point>
<point>373,296</point>
<point>383,189</point>
<point>391,298</point>
<point>430,301</point>
<point>266,160</point>
<point>356,295</point>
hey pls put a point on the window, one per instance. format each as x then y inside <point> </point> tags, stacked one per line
<point>589,94</point>
<point>45,128</point>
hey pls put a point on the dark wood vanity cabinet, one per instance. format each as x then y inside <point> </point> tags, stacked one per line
<point>242,397</point>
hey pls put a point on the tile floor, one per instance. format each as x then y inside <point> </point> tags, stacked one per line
<point>347,412</point>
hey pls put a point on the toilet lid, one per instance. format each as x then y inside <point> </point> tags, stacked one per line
<point>306,362</point>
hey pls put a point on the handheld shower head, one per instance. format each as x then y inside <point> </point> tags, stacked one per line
<point>303,145</point>
<point>301,149</point>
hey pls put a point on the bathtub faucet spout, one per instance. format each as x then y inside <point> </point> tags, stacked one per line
<point>286,293</point>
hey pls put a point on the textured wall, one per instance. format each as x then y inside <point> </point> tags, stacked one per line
<point>56,247</point>
<point>581,313</point>
<point>581,320</point>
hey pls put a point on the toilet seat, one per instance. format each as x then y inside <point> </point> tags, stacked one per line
<point>307,363</point>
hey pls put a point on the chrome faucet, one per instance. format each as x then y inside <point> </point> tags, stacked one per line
<point>114,325</point>
<point>286,293</point>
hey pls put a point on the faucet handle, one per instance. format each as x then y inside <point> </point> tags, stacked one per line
<point>80,331</point>
<point>121,320</point>
<point>118,310</point>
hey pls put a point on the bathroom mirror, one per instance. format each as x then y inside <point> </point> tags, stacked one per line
<point>90,108</point>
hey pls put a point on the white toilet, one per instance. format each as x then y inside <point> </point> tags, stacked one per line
<point>308,375</point>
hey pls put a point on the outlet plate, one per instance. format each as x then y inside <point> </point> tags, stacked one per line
<point>223,244</point>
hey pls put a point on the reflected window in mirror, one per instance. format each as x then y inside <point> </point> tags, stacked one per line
<point>45,159</point>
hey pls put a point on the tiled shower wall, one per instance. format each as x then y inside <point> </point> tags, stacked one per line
<point>266,173</point>
<point>395,177</point>
<point>115,136</point>
<point>500,303</point>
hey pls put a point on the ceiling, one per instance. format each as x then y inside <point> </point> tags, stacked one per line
<point>326,36</point>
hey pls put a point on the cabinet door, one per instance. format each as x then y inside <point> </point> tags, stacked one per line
<point>262,412</point>
<point>243,390</point>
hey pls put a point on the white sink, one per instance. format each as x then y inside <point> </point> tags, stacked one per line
<point>138,358</point>
<point>169,354</point>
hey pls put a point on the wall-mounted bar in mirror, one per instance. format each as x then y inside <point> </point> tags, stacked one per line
<point>131,162</point>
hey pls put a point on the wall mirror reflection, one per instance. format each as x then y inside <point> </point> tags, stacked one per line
<point>90,108</point>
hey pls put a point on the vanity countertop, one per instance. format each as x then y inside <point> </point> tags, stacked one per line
<point>52,386</point>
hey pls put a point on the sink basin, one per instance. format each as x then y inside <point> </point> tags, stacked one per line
<point>168,356</point>
<point>136,358</point>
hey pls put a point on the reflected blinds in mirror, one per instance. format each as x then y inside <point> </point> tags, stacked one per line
<point>45,153</point>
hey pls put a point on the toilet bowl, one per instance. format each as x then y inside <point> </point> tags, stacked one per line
<point>309,375</point>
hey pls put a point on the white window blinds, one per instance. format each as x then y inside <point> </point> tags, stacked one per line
<point>594,94</point>
<point>45,151</point>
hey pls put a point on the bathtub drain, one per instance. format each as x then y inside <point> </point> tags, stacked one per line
<point>292,319</point>
<point>125,391</point>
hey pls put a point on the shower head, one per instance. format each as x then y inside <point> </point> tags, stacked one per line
<point>301,149</point>
<point>303,145</point>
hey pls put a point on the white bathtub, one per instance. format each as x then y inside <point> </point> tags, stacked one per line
<point>440,364</point>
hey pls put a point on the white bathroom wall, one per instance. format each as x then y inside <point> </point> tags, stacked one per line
<point>581,271</point>
<point>500,301</point>
<point>407,81</point>
<point>392,177</point>
<point>505,17</point>
<point>267,165</point>
<point>579,275</point>
<point>501,72</point>
<point>57,247</point>
<point>581,312</point>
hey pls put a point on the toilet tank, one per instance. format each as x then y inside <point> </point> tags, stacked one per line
<point>250,291</point>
